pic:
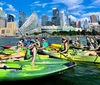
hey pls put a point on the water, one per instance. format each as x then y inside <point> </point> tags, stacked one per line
<point>82,74</point>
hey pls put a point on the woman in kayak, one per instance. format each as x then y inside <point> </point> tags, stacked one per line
<point>64,45</point>
<point>18,49</point>
<point>32,51</point>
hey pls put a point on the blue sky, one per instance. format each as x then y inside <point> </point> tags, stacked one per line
<point>78,9</point>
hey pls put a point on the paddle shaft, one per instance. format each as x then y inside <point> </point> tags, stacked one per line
<point>65,56</point>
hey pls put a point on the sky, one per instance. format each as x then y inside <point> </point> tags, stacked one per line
<point>77,9</point>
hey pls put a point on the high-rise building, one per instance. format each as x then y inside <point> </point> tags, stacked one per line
<point>79,24</point>
<point>2,22</point>
<point>99,19</point>
<point>2,13</point>
<point>56,18</point>
<point>22,18</point>
<point>44,20</point>
<point>2,19</point>
<point>10,18</point>
<point>63,18</point>
<point>69,19</point>
<point>93,19</point>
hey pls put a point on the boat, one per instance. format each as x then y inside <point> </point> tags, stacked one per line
<point>74,54</point>
<point>11,71</point>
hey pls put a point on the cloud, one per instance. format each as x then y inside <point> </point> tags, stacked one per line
<point>90,7</point>
<point>72,18</point>
<point>1,8</point>
<point>76,7</point>
<point>10,8</point>
<point>96,2</point>
<point>91,13</point>
<point>77,12</point>
<point>49,10</point>
<point>83,19</point>
<point>69,3</point>
<point>38,11</point>
<point>13,15</point>
<point>2,3</point>
<point>36,2</point>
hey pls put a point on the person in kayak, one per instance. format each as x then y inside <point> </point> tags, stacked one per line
<point>19,48</point>
<point>64,45</point>
<point>44,44</point>
<point>37,42</point>
<point>28,42</point>
<point>32,51</point>
<point>70,42</point>
<point>77,42</point>
<point>87,42</point>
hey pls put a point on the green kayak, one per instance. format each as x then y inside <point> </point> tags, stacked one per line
<point>15,71</point>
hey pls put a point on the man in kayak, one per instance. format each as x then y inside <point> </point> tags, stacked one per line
<point>28,42</point>
<point>44,44</point>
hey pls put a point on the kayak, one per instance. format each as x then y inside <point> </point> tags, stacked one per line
<point>76,56</point>
<point>15,71</point>
<point>40,59</point>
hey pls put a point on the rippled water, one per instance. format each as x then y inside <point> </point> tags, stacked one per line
<point>82,74</point>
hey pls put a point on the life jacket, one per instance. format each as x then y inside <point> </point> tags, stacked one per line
<point>63,46</point>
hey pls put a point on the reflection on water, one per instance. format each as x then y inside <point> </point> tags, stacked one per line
<point>82,74</point>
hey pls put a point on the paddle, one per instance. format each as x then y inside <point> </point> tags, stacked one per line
<point>66,57</point>
<point>10,68</point>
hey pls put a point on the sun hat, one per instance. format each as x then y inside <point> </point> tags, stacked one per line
<point>20,42</point>
<point>32,40</point>
<point>64,38</point>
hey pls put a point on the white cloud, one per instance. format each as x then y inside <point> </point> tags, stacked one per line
<point>96,2</point>
<point>91,13</point>
<point>77,12</point>
<point>10,8</point>
<point>83,19</point>
<point>38,11</point>
<point>2,3</point>
<point>1,8</point>
<point>90,7</point>
<point>49,10</point>
<point>72,18</point>
<point>36,2</point>
<point>13,15</point>
<point>44,5</point>
<point>76,7</point>
<point>69,3</point>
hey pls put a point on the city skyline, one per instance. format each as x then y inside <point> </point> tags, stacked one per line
<point>78,9</point>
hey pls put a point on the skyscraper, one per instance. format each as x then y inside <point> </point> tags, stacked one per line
<point>93,19</point>
<point>99,19</point>
<point>10,18</point>
<point>79,24</point>
<point>22,18</point>
<point>63,18</point>
<point>2,19</point>
<point>2,13</point>
<point>56,18</point>
<point>44,20</point>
